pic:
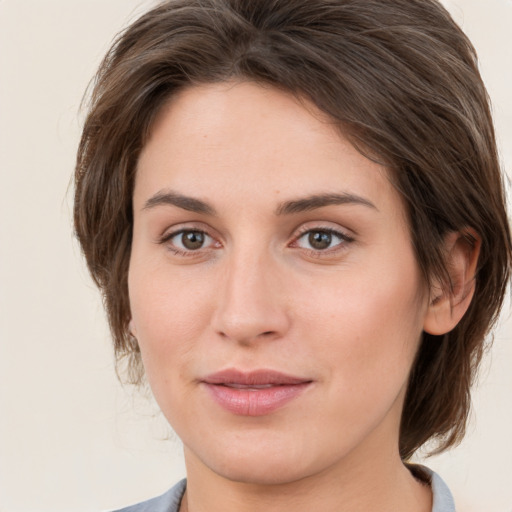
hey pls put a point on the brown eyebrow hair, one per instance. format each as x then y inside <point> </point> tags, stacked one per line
<point>319,201</point>
<point>181,201</point>
<point>286,208</point>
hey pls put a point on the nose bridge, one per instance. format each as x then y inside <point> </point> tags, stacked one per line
<point>250,302</point>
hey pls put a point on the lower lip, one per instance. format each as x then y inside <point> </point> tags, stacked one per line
<point>255,402</point>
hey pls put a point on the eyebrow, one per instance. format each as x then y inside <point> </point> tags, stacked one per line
<point>188,203</point>
<point>304,204</point>
<point>319,201</point>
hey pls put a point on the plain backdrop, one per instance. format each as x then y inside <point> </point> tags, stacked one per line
<point>71,438</point>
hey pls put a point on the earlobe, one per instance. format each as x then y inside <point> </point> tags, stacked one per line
<point>449,301</point>
<point>131,328</point>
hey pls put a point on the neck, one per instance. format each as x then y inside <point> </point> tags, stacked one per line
<point>382,483</point>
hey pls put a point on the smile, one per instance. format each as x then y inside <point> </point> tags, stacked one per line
<point>254,393</point>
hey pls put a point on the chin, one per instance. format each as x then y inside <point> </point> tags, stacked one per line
<point>262,471</point>
<point>272,461</point>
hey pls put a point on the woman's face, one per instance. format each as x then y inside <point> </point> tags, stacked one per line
<point>273,287</point>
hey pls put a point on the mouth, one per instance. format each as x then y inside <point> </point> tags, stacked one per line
<point>254,393</point>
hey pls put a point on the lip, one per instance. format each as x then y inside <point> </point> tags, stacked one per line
<point>254,393</point>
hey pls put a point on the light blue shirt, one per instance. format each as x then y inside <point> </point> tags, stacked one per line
<point>170,501</point>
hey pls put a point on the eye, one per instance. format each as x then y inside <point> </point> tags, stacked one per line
<point>188,240</point>
<point>322,239</point>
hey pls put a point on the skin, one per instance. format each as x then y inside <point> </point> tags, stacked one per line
<point>257,295</point>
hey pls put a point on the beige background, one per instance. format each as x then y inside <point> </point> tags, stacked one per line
<point>70,437</point>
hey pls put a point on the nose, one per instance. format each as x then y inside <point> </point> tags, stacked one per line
<point>251,301</point>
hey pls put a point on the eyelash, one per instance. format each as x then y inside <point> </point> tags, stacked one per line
<point>343,237</point>
<point>166,239</point>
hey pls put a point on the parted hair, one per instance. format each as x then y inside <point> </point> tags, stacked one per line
<point>399,78</point>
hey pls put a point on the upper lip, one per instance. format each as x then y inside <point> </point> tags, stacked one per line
<point>261,377</point>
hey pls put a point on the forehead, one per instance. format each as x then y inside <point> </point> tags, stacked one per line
<point>257,140</point>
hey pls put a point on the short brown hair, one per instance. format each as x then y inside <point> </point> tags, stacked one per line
<point>401,80</point>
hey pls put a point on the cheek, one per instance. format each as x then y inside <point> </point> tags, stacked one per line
<point>169,314</point>
<point>365,325</point>
<point>366,347</point>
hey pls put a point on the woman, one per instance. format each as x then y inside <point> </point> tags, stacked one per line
<point>295,212</point>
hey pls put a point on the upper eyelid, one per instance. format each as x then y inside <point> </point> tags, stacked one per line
<point>330,227</point>
<point>186,226</point>
<point>165,240</point>
<point>167,236</point>
<point>172,234</point>
<point>297,232</point>
<point>344,237</point>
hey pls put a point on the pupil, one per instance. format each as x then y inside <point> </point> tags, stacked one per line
<point>193,240</point>
<point>320,239</point>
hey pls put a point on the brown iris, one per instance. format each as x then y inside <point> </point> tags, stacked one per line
<point>192,240</point>
<point>320,239</point>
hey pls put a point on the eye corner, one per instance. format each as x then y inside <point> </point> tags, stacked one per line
<point>190,241</point>
<point>322,240</point>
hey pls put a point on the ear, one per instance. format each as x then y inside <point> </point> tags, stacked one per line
<point>131,328</point>
<point>449,301</point>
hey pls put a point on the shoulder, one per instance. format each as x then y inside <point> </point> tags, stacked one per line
<point>442,499</point>
<point>168,502</point>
